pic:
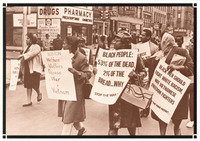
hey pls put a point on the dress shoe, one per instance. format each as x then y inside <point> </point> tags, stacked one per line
<point>25,105</point>
<point>39,97</point>
<point>81,131</point>
<point>190,124</point>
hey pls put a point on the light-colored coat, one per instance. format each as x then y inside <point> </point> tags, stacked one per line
<point>33,56</point>
<point>153,48</point>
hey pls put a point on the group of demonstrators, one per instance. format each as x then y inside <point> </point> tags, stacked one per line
<point>122,114</point>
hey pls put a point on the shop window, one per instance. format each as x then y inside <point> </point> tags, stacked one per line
<point>9,30</point>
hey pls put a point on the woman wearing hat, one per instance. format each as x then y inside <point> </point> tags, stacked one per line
<point>73,112</point>
<point>123,114</point>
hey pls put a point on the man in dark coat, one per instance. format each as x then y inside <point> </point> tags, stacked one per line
<point>57,43</point>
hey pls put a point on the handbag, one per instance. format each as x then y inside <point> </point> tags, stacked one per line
<point>137,96</point>
<point>87,87</point>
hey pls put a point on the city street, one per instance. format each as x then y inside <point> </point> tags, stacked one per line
<point>41,118</point>
<point>123,28</point>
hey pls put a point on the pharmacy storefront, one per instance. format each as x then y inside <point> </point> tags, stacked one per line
<point>66,21</point>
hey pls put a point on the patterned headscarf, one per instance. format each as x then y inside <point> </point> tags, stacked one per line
<point>167,43</point>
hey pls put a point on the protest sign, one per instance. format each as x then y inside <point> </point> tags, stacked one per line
<point>113,68</point>
<point>15,66</point>
<point>144,49</point>
<point>168,90</point>
<point>87,52</point>
<point>59,81</point>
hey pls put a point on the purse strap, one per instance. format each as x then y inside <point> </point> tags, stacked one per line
<point>139,83</point>
<point>140,88</point>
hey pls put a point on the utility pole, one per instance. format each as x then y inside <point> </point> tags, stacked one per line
<point>24,30</point>
<point>103,20</point>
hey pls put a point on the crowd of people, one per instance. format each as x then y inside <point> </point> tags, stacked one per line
<point>121,114</point>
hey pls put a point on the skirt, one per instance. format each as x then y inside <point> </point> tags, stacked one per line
<point>31,80</point>
<point>124,115</point>
<point>180,113</point>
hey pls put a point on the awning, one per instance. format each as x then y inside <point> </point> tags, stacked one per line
<point>127,19</point>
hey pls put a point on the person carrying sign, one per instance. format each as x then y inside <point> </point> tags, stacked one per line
<point>123,114</point>
<point>146,37</point>
<point>82,46</point>
<point>31,67</point>
<point>73,112</point>
<point>169,48</point>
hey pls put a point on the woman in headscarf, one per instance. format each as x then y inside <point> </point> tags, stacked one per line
<point>168,49</point>
<point>73,112</point>
<point>123,114</point>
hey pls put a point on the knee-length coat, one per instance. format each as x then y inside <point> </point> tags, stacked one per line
<point>74,111</point>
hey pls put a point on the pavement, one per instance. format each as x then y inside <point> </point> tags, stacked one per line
<point>41,118</point>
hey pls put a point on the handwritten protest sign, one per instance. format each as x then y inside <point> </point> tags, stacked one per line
<point>15,66</point>
<point>143,48</point>
<point>112,75</point>
<point>87,52</point>
<point>168,90</point>
<point>59,81</point>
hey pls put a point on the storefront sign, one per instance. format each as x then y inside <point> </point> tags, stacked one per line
<point>50,26</point>
<point>179,30</point>
<point>18,20</point>
<point>123,26</point>
<point>77,15</point>
<point>113,68</point>
<point>168,90</point>
<point>49,12</point>
<point>67,14</point>
<point>59,81</point>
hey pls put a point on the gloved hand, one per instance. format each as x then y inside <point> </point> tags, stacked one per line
<point>172,67</point>
<point>132,74</point>
<point>74,71</point>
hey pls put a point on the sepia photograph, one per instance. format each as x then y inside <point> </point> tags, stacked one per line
<point>99,70</point>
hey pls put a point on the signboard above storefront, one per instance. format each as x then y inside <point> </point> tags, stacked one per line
<point>67,14</point>
<point>18,20</point>
<point>77,15</point>
<point>125,26</point>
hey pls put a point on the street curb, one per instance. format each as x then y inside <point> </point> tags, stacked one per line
<point>20,82</point>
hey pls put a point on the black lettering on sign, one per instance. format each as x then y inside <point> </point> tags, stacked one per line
<point>127,64</point>
<point>163,68</point>
<point>166,80</point>
<point>49,11</point>
<point>120,73</point>
<point>158,73</point>
<point>180,81</point>
<point>117,64</point>
<point>176,87</point>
